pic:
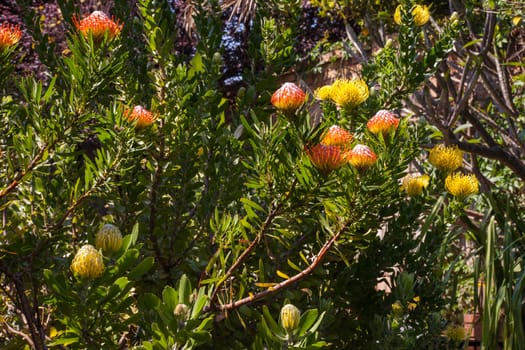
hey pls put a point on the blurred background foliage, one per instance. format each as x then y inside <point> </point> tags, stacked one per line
<point>225,217</point>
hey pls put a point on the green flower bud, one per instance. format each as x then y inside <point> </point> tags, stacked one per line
<point>290,316</point>
<point>181,310</point>
<point>108,238</point>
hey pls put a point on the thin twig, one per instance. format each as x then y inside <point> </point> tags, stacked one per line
<point>287,283</point>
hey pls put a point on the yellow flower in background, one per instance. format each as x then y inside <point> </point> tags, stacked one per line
<point>337,136</point>
<point>349,93</point>
<point>290,316</point>
<point>460,185</point>
<point>9,35</point>
<point>323,93</point>
<point>421,14</point>
<point>98,24</point>
<point>446,158</point>
<point>108,238</point>
<point>397,309</point>
<point>88,262</point>
<point>456,333</point>
<point>414,184</point>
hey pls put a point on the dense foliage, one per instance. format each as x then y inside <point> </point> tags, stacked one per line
<point>196,175</point>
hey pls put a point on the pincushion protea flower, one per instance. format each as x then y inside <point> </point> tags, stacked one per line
<point>383,122</point>
<point>460,185</point>
<point>9,35</point>
<point>288,98</point>
<point>456,333</point>
<point>108,238</point>
<point>141,116</point>
<point>421,14</point>
<point>88,262</point>
<point>446,158</point>
<point>337,136</point>
<point>327,158</point>
<point>98,24</point>
<point>414,184</point>
<point>349,93</point>
<point>361,157</point>
<point>290,317</point>
<point>323,93</point>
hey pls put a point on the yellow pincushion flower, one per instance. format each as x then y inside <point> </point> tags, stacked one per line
<point>421,14</point>
<point>323,93</point>
<point>414,184</point>
<point>446,158</point>
<point>456,334</point>
<point>88,262</point>
<point>290,316</point>
<point>349,93</point>
<point>397,309</point>
<point>460,185</point>
<point>108,238</point>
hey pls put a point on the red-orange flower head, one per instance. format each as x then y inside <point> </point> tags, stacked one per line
<point>327,157</point>
<point>9,35</point>
<point>361,157</point>
<point>141,116</point>
<point>383,122</point>
<point>98,23</point>
<point>288,98</point>
<point>337,136</point>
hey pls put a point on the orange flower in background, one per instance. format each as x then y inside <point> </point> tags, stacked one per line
<point>98,23</point>
<point>9,35</point>
<point>326,157</point>
<point>141,116</point>
<point>288,98</point>
<point>383,122</point>
<point>361,157</point>
<point>337,136</point>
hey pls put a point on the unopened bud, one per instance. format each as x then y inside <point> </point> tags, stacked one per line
<point>181,310</point>
<point>290,316</point>
<point>108,238</point>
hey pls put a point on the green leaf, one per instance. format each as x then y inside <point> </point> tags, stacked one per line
<point>141,268</point>
<point>169,296</point>
<point>307,319</point>
<point>184,290</point>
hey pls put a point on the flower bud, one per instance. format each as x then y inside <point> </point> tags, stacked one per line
<point>181,311</point>
<point>108,238</point>
<point>288,98</point>
<point>290,316</point>
<point>383,122</point>
<point>361,157</point>
<point>98,24</point>
<point>88,262</point>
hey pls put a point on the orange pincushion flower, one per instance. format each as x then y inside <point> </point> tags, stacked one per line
<point>141,116</point>
<point>337,136</point>
<point>361,156</point>
<point>98,23</point>
<point>9,35</point>
<point>288,97</point>
<point>383,122</point>
<point>326,157</point>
